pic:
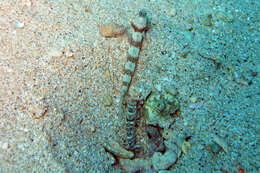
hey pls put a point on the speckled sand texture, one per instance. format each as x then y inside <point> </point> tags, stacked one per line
<point>59,76</point>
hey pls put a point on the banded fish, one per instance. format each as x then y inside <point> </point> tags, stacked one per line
<point>140,26</point>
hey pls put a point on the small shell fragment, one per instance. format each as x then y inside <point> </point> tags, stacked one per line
<point>55,52</point>
<point>221,142</point>
<point>27,3</point>
<point>111,30</point>
<point>18,24</point>
<point>4,145</point>
<point>185,147</point>
<point>108,100</point>
<point>68,53</point>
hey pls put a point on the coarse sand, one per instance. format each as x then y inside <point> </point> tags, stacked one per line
<point>60,81</point>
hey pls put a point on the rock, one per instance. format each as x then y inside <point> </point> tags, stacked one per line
<point>111,30</point>
<point>136,164</point>
<point>117,150</point>
<point>164,161</point>
<point>159,108</point>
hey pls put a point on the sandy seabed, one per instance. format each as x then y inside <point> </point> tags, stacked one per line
<point>56,69</point>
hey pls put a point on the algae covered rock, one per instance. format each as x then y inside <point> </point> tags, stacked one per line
<point>136,164</point>
<point>160,108</point>
<point>164,161</point>
<point>116,149</point>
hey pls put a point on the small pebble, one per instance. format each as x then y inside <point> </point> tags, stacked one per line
<point>111,30</point>
<point>164,52</point>
<point>194,99</point>
<point>172,12</point>
<point>38,110</point>
<point>207,20</point>
<point>68,53</point>
<point>185,147</point>
<point>159,87</point>
<point>215,148</point>
<point>226,17</point>
<point>254,74</point>
<point>4,145</point>
<point>108,101</point>
<point>27,3</point>
<point>173,55</point>
<point>172,90</point>
<point>55,52</point>
<point>92,129</point>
